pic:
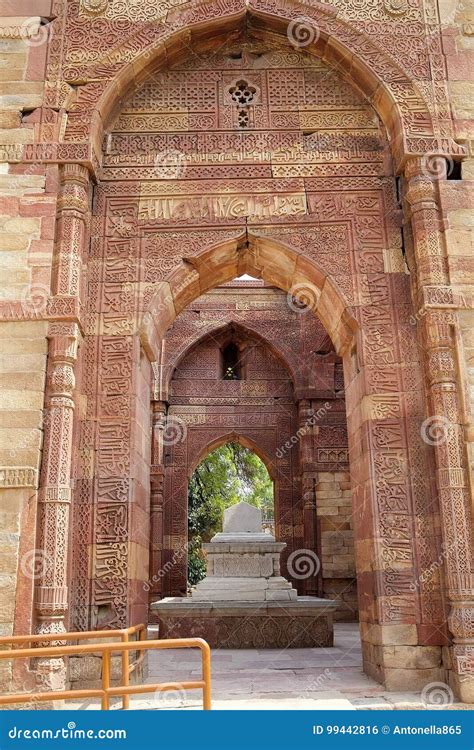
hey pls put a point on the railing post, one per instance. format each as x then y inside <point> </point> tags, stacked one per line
<point>125,672</point>
<point>206,676</point>
<point>105,679</point>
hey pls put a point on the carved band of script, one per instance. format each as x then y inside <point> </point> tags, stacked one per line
<point>232,206</point>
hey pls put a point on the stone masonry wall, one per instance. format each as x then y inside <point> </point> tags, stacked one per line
<point>334,510</point>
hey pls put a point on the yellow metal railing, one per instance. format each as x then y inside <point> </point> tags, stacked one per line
<point>138,630</point>
<point>105,692</point>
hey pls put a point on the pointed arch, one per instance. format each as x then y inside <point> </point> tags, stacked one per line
<point>234,437</point>
<point>216,329</point>
<point>263,257</point>
<point>198,26</point>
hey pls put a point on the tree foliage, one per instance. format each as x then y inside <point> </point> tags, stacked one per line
<point>226,476</point>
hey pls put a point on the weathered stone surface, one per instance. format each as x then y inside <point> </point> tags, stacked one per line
<point>242,517</point>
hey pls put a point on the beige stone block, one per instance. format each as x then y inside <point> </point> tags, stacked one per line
<point>14,439</point>
<point>324,486</point>
<point>27,330</point>
<point>21,94</point>
<point>19,399</point>
<point>459,241</point>
<point>328,494</point>
<point>29,346</point>
<point>17,135</point>
<point>468,165</point>
<point>9,522</point>
<point>10,119</point>
<point>23,458</point>
<point>138,562</point>
<point>327,511</point>
<point>11,242</point>
<point>85,668</point>
<point>411,679</point>
<point>21,418</point>
<point>27,362</point>
<point>31,381</point>
<point>23,225</point>
<point>388,635</point>
<point>462,688</point>
<point>6,676</point>
<point>20,184</point>
<point>326,476</point>
<point>462,99</point>
<point>412,657</point>
<point>364,555</point>
<point>8,553</point>
<point>7,597</point>
<point>462,217</point>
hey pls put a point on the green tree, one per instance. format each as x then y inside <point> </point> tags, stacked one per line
<point>227,475</point>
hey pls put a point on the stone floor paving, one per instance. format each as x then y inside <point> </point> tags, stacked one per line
<point>318,678</point>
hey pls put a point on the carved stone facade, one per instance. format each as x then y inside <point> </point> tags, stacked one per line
<point>156,150</point>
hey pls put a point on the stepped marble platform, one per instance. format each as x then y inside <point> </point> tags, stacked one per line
<point>244,601</point>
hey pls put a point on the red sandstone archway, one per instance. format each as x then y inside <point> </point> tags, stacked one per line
<point>380,457</point>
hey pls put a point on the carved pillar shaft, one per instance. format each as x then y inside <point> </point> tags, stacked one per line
<point>156,501</point>
<point>426,224</point>
<point>71,230</point>
<point>308,482</point>
<point>54,497</point>
<point>444,428</point>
